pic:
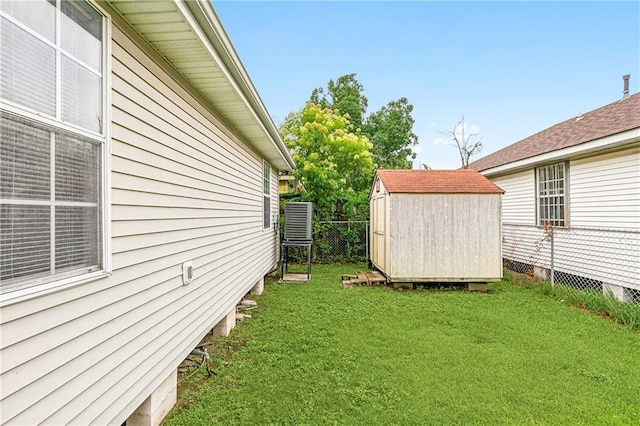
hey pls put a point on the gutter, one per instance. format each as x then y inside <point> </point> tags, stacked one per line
<point>203,12</point>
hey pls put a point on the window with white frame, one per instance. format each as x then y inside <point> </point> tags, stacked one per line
<point>266,192</point>
<point>552,194</point>
<point>52,141</point>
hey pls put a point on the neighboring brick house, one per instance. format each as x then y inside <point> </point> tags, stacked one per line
<point>583,177</point>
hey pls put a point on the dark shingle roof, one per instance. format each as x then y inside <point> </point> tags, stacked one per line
<point>605,121</point>
<point>437,181</point>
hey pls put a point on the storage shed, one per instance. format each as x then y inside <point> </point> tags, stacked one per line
<point>436,226</point>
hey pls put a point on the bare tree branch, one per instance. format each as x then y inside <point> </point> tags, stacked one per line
<point>467,147</point>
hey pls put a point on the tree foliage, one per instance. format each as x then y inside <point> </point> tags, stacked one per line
<point>390,130</point>
<point>336,147</point>
<point>334,161</point>
<point>346,96</point>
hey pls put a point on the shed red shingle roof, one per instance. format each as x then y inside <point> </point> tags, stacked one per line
<point>437,181</point>
<point>605,121</point>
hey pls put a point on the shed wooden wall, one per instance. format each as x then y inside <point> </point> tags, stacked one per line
<point>184,187</point>
<point>441,237</point>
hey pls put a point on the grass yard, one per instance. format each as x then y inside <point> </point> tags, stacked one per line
<point>315,353</point>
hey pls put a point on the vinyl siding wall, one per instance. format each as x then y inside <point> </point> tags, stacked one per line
<point>605,191</point>
<point>603,238</point>
<point>184,188</point>
<point>519,199</point>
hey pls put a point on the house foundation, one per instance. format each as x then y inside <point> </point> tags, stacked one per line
<point>615,291</point>
<point>258,288</point>
<point>154,409</point>
<point>226,324</point>
<point>540,273</point>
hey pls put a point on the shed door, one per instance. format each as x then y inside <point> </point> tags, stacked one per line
<point>378,232</point>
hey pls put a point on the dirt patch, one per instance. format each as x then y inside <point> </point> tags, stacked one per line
<point>208,360</point>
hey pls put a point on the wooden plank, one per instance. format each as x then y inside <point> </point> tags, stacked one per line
<point>368,278</point>
<point>294,278</point>
<point>375,277</point>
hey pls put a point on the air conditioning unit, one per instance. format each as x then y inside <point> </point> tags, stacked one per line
<point>297,222</point>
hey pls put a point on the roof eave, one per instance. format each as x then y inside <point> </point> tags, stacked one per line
<point>218,36</point>
<point>371,187</point>
<point>233,96</point>
<point>445,192</point>
<point>607,143</point>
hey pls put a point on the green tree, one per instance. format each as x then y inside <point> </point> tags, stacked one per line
<point>334,161</point>
<point>345,95</point>
<point>391,132</point>
<point>390,129</point>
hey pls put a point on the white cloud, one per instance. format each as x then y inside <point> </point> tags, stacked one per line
<point>441,141</point>
<point>432,124</point>
<point>417,149</point>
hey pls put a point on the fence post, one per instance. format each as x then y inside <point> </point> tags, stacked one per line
<point>366,240</point>
<point>552,258</point>
<point>349,239</point>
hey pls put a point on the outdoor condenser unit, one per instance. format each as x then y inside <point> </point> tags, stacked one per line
<point>297,222</point>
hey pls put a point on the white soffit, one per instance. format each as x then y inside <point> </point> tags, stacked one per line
<point>190,37</point>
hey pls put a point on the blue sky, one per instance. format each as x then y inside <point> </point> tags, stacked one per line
<point>511,68</point>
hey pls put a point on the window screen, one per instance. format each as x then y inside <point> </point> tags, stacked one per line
<point>50,174</point>
<point>551,195</point>
<point>266,190</point>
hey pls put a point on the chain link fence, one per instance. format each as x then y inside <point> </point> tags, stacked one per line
<point>341,241</point>
<point>605,261</point>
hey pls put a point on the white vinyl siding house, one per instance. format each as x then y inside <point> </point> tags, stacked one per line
<point>53,153</point>
<point>598,240</point>
<point>605,190</point>
<point>519,199</point>
<point>266,192</point>
<point>184,181</point>
<point>552,194</point>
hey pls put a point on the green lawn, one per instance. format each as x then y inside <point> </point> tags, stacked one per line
<point>315,353</point>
